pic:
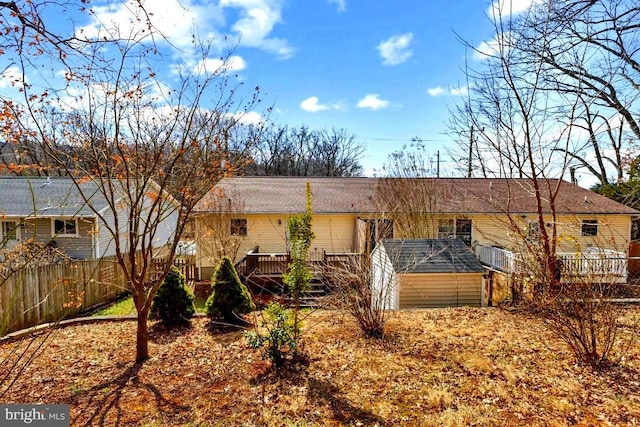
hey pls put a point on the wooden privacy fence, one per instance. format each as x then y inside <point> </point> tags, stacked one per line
<point>185,263</point>
<point>33,296</point>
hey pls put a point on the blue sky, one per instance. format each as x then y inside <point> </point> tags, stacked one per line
<point>386,71</point>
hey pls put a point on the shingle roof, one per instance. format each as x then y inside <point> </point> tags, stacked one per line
<point>456,195</point>
<point>431,256</point>
<point>52,197</point>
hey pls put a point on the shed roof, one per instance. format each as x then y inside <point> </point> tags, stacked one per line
<point>431,256</point>
<point>454,195</point>
<point>46,197</point>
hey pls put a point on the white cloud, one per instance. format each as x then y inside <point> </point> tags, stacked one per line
<point>373,102</point>
<point>174,20</point>
<point>177,20</point>
<point>459,91</point>
<point>217,65</point>
<point>453,91</point>
<point>510,7</point>
<point>257,19</point>
<point>499,45</point>
<point>342,4</point>
<point>312,105</point>
<point>396,49</point>
<point>435,91</point>
<point>11,76</point>
<point>249,118</point>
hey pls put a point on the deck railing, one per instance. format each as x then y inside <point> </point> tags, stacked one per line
<point>256,263</point>
<point>496,258</point>
<point>595,263</point>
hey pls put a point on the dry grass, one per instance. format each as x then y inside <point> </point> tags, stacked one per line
<point>433,368</point>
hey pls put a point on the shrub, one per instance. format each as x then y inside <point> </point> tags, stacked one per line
<point>278,337</point>
<point>230,298</point>
<point>173,303</point>
<point>351,281</point>
<point>583,315</point>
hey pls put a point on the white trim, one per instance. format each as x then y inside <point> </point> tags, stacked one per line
<point>16,229</point>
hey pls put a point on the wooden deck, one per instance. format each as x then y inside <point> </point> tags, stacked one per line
<point>594,264</point>
<point>256,264</point>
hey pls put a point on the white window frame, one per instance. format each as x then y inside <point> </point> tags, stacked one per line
<point>16,230</point>
<point>66,220</point>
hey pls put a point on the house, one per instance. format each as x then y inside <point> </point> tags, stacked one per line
<point>53,211</point>
<point>491,216</point>
<point>426,273</point>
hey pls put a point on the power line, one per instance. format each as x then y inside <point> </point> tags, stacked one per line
<point>405,140</point>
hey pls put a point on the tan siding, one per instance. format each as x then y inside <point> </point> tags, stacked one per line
<point>264,231</point>
<point>613,231</point>
<point>440,290</point>
<point>334,233</point>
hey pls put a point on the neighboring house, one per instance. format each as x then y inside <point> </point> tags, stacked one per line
<point>350,217</point>
<point>52,211</point>
<point>426,273</point>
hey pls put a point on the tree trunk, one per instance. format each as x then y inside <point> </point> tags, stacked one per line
<point>142,337</point>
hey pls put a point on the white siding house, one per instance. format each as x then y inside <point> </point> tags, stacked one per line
<point>53,211</point>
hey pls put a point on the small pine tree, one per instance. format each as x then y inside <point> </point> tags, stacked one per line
<point>173,303</point>
<point>230,298</point>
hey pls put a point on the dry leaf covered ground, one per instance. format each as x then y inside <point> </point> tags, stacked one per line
<point>435,367</point>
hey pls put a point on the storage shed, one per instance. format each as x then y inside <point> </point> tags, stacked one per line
<point>426,273</point>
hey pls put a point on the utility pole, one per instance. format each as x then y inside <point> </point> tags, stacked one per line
<point>438,164</point>
<point>470,152</point>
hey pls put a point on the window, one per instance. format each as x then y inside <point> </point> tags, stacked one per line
<point>463,230</point>
<point>635,229</point>
<point>533,232</point>
<point>9,231</point>
<point>446,228</point>
<point>455,228</point>
<point>65,227</point>
<point>238,227</point>
<point>589,227</point>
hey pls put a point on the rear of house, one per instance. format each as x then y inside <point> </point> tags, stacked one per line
<point>350,215</point>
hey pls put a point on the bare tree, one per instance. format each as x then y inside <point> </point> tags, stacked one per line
<point>536,91</point>
<point>339,154</point>
<point>408,195</point>
<point>301,151</point>
<point>524,125</point>
<point>351,280</point>
<point>152,146</point>
<point>220,232</point>
<point>592,58</point>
